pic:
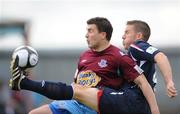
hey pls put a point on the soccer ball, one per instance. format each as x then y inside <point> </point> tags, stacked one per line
<point>28,57</point>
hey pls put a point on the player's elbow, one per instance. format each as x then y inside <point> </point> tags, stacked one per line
<point>140,80</point>
<point>160,56</point>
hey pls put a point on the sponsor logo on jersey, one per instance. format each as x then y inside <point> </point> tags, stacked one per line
<point>42,83</point>
<point>88,78</point>
<point>102,63</point>
<point>151,50</point>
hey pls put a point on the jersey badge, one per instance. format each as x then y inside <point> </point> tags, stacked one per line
<point>151,50</point>
<point>102,63</point>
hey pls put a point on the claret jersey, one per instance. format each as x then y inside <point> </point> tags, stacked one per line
<point>110,68</point>
<point>143,53</point>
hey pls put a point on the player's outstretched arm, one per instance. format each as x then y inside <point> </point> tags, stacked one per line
<point>148,93</point>
<point>165,68</point>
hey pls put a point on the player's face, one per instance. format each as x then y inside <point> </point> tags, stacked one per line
<point>94,37</point>
<point>129,36</point>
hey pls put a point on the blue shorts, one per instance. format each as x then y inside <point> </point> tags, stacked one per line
<point>70,107</point>
<point>124,101</point>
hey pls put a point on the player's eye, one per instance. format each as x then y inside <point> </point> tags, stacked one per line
<point>90,30</point>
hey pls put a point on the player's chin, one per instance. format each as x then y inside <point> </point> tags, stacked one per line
<point>88,43</point>
<point>90,46</point>
<point>125,47</point>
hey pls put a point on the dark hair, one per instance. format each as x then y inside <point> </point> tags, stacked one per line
<point>141,26</point>
<point>103,25</point>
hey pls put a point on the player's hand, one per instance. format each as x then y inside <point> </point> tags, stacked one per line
<point>171,90</point>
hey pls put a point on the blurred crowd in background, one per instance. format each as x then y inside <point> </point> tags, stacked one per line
<point>12,102</point>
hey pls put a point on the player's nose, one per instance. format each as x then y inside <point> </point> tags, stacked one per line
<point>86,35</point>
<point>123,37</point>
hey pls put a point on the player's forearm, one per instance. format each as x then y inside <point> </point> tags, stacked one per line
<point>148,93</point>
<point>164,66</point>
<point>150,97</point>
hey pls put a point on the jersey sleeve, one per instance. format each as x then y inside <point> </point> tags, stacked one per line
<point>143,52</point>
<point>129,69</point>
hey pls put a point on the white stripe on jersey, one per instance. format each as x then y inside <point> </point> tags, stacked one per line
<point>75,74</point>
<point>122,53</point>
<point>136,47</point>
<point>141,63</point>
<point>132,57</point>
<point>155,78</point>
<point>117,93</point>
<point>138,69</point>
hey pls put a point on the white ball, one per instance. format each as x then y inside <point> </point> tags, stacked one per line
<point>28,57</point>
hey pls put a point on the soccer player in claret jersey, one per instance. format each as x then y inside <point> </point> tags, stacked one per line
<point>104,65</point>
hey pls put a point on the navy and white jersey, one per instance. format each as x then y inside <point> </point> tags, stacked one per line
<point>143,53</point>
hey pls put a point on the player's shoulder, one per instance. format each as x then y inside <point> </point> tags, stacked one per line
<point>85,53</point>
<point>117,51</point>
<point>119,55</point>
<point>140,45</point>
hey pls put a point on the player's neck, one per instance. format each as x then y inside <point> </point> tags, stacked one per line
<point>102,47</point>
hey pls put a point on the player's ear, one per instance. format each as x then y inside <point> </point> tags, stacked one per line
<point>139,35</point>
<point>104,35</point>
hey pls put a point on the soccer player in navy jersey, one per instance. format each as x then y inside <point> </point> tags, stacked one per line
<point>135,39</point>
<point>104,65</point>
<point>146,56</point>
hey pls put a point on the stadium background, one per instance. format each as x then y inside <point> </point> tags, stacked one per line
<point>56,28</point>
